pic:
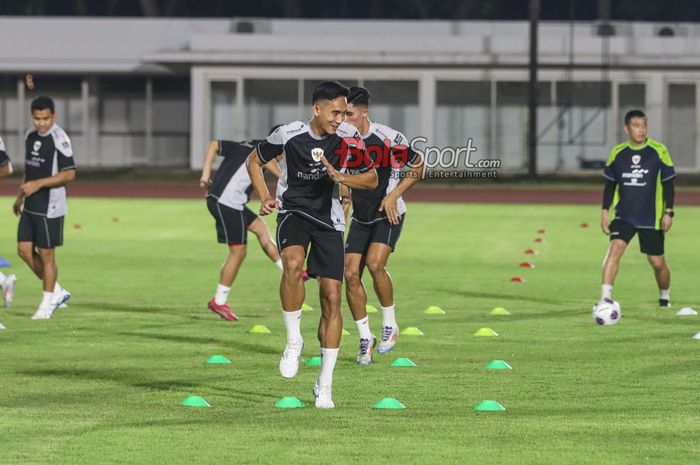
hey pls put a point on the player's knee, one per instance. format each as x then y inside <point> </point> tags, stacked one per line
<point>352,277</point>
<point>46,255</point>
<point>330,300</point>
<point>25,254</point>
<point>657,262</point>
<point>376,267</point>
<point>292,268</point>
<point>238,250</point>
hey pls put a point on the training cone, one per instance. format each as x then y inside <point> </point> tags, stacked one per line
<point>2,326</point>
<point>402,362</point>
<point>195,401</point>
<point>498,365</point>
<point>371,309</point>
<point>389,403</point>
<point>527,265</point>
<point>218,360</point>
<point>584,225</point>
<point>486,332</point>
<point>489,406</point>
<point>697,337</point>
<point>538,240</point>
<point>307,308</point>
<point>4,263</point>
<point>686,311</point>
<point>530,252</point>
<point>345,332</point>
<point>433,310</point>
<point>500,311</point>
<point>259,329</point>
<point>289,402</point>
<point>517,279</point>
<point>412,331</point>
<point>313,362</point>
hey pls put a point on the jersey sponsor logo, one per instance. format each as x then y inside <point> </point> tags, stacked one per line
<point>316,154</point>
<point>636,159</point>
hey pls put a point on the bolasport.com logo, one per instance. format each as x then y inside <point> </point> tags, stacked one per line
<point>419,159</point>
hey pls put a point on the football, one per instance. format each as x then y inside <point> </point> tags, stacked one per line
<point>607,312</point>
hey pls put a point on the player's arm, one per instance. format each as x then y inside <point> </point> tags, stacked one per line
<point>274,168</point>
<point>209,157</point>
<point>366,180</point>
<point>669,194</point>
<point>389,203</point>
<point>254,165</point>
<point>608,196</point>
<point>59,179</point>
<point>6,169</point>
<point>345,200</point>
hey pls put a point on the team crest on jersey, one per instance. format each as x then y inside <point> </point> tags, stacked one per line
<point>37,146</point>
<point>316,154</point>
<point>636,159</point>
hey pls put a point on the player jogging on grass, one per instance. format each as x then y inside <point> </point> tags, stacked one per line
<point>311,218</point>
<point>227,195</point>
<point>640,190</point>
<point>7,282</point>
<point>41,202</point>
<point>377,219</point>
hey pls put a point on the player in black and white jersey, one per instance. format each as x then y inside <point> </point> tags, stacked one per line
<point>377,219</point>
<point>227,195</point>
<point>315,154</point>
<point>7,282</point>
<point>41,202</point>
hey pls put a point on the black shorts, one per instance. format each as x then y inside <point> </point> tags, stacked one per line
<point>231,224</point>
<point>361,235</point>
<point>651,241</point>
<point>326,258</point>
<point>43,232</point>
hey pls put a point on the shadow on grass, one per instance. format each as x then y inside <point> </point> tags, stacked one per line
<point>243,346</point>
<point>499,297</point>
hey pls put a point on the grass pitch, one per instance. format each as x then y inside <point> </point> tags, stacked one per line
<point>101,382</point>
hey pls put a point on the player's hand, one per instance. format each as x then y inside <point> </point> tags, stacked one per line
<point>29,187</point>
<point>605,222</point>
<point>389,206</point>
<point>666,222</point>
<point>204,182</point>
<point>17,206</point>
<point>268,206</point>
<point>332,172</point>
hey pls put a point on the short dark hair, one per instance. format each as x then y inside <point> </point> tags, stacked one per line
<point>633,114</point>
<point>329,90</point>
<point>42,103</point>
<point>359,96</point>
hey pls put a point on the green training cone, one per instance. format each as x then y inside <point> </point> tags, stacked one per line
<point>371,309</point>
<point>259,329</point>
<point>499,311</point>
<point>434,310</point>
<point>402,362</point>
<point>307,308</point>
<point>498,365</point>
<point>289,402</point>
<point>313,362</point>
<point>489,406</point>
<point>345,332</point>
<point>389,403</point>
<point>218,360</point>
<point>486,332</point>
<point>195,401</point>
<point>412,331</point>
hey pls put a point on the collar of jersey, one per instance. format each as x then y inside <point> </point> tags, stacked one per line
<point>638,147</point>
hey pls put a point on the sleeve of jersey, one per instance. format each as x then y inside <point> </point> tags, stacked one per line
<point>4,159</point>
<point>64,150</point>
<point>226,148</point>
<point>352,149</point>
<point>609,171</point>
<point>667,170</point>
<point>402,152</point>
<point>272,146</point>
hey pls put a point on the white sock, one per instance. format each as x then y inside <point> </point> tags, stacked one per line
<point>292,320</point>
<point>606,291</point>
<point>57,288</point>
<point>2,278</point>
<point>363,328</point>
<point>665,294</point>
<point>221,295</point>
<point>46,300</point>
<point>328,358</point>
<point>279,264</point>
<point>389,316</point>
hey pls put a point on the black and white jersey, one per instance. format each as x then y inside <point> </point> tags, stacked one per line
<point>304,187</point>
<point>4,159</point>
<point>390,151</point>
<point>231,185</point>
<point>47,154</point>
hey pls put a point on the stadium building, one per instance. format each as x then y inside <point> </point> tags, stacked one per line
<point>164,87</point>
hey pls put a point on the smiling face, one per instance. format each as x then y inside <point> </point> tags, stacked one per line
<point>328,115</point>
<point>637,130</point>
